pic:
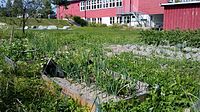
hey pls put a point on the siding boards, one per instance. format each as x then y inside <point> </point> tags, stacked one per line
<point>183,17</point>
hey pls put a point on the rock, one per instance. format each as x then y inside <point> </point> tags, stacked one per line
<point>133,47</point>
<point>187,49</point>
<point>33,27</point>
<point>179,55</point>
<point>188,56</point>
<point>3,24</point>
<point>66,27</point>
<point>195,50</point>
<point>52,27</point>
<point>26,27</point>
<point>42,27</point>
<point>187,110</point>
<point>196,106</point>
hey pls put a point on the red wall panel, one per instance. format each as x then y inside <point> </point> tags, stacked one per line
<point>183,17</point>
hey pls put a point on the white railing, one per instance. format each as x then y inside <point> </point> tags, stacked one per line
<point>176,1</point>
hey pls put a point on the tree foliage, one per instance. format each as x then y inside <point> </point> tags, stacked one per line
<point>60,2</point>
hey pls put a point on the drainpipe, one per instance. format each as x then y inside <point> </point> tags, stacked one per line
<point>85,8</point>
<point>130,12</point>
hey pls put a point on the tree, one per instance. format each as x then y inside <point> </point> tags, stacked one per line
<point>47,8</point>
<point>27,9</point>
<point>17,8</point>
<point>60,2</point>
<point>2,8</point>
<point>8,7</point>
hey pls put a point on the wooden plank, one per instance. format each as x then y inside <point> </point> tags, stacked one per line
<point>66,90</point>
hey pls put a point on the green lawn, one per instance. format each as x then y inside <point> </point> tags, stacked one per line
<point>36,22</point>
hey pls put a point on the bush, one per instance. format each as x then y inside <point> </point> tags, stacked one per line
<point>92,24</point>
<point>173,37</point>
<point>80,21</point>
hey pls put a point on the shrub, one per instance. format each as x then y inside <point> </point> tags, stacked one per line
<point>80,21</point>
<point>92,24</point>
<point>173,37</point>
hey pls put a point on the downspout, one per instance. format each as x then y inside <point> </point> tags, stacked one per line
<point>130,12</point>
<point>85,8</point>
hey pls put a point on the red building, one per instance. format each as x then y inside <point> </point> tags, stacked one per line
<point>131,12</point>
<point>182,15</point>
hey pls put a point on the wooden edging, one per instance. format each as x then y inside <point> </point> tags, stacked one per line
<point>67,90</point>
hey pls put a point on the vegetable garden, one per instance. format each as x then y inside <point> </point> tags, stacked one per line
<point>108,61</point>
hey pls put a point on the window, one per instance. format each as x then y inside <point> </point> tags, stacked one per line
<point>82,6</point>
<point>99,4</point>
<point>128,19</point>
<point>119,20</point>
<point>107,3</point>
<point>88,5</point>
<point>99,20</point>
<point>88,19</point>
<point>94,20</point>
<point>118,3</point>
<point>112,20</point>
<point>93,4</point>
<point>103,3</point>
<point>112,3</point>
<point>125,19</point>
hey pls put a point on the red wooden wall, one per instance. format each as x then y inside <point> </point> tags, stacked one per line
<point>183,17</point>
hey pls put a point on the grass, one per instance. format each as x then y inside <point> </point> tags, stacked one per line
<point>34,22</point>
<point>174,83</point>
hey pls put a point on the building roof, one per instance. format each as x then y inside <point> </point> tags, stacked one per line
<point>180,3</point>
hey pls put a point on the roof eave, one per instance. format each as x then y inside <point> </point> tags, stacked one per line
<point>180,3</point>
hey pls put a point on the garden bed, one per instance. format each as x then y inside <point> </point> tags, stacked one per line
<point>170,52</point>
<point>92,96</point>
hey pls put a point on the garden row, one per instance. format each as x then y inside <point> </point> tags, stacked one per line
<point>169,52</point>
<point>177,38</point>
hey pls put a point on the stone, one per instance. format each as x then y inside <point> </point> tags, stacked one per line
<point>3,24</point>
<point>66,27</point>
<point>187,49</point>
<point>187,110</point>
<point>33,27</point>
<point>188,56</point>
<point>26,27</point>
<point>196,106</point>
<point>195,50</point>
<point>52,27</point>
<point>42,27</point>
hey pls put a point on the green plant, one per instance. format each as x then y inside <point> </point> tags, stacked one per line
<point>80,21</point>
<point>174,37</point>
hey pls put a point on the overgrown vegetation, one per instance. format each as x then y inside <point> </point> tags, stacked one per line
<point>174,84</point>
<point>174,37</point>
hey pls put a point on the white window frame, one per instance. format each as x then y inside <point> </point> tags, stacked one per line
<point>111,3</point>
<point>112,20</point>
<point>82,6</point>
<point>93,20</point>
<point>118,3</point>
<point>88,5</point>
